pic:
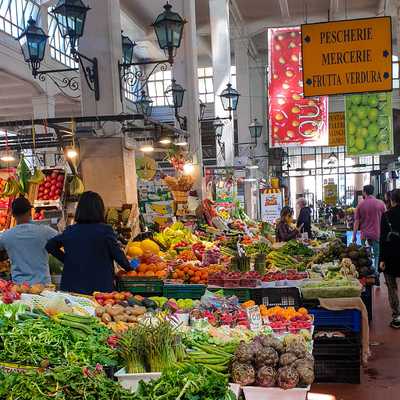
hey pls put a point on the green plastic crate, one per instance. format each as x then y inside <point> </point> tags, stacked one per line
<point>142,286</point>
<point>194,292</point>
<point>243,294</point>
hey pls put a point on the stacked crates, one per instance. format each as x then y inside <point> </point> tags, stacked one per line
<point>337,346</point>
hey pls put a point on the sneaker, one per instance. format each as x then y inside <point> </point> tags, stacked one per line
<point>395,323</point>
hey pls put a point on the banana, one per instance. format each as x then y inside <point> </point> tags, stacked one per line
<point>6,189</point>
<point>76,186</point>
<point>37,177</point>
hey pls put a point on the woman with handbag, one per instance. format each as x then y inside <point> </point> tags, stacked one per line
<point>390,245</point>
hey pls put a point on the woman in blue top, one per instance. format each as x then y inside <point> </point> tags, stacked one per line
<point>90,248</point>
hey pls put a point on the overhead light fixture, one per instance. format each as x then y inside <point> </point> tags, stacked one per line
<point>229,98</point>
<point>144,104</point>
<point>249,180</point>
<point>146,146</point>
<point>7,158</point>
<point>181,141</point>
<point>188,168</point>
<point>252,166</point>
<point>165,140</point>
<point>255,129</point>
<point>72,153</point>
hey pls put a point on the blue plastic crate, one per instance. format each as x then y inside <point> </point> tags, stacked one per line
<point>349,319</point>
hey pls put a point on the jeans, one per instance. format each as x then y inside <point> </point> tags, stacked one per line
<point>391,283</point>
<point>374,244</point>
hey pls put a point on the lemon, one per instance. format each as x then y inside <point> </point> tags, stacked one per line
<point>360,144</point>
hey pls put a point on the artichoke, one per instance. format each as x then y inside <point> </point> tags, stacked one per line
<point>288,378</point>
<point>244,353</point>
<point>287,359</point>
<point>266,377</point>
<point>271,341</point>
<point>244,374</point>
<point>266,357</point>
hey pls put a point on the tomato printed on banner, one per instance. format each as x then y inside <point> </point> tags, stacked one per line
<point>293,119</point>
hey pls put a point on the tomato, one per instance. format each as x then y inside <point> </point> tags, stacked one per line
<point>60,178</point>
<point>45,197</point>
<point>59,184</point>
<point>54,174</point>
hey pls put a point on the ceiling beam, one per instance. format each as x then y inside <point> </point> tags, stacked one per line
<point>284,6</point>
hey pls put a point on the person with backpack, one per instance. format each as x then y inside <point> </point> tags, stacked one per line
<point>389,250</point>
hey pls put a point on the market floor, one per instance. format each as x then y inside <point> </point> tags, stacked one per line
<point>381,378</point>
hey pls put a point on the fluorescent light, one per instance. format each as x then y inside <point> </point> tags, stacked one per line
<point>7,158</point>
<point>252,166</point>
<point>250,180</point>
<point>147,148</point>
<point>72,153</point>
<point>188,168</point>
<point>165,140</point>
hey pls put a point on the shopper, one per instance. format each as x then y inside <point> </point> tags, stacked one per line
<point>89,249</point>
<point>390,245</point>
<point>285,231</point>
<point>25,245</point>
<point>387,200</point>
<point>368,216</point>
<point>304,218</point>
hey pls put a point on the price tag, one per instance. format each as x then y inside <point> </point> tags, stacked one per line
<point>254,317</point>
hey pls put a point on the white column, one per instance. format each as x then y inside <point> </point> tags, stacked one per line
<point>221,62</point>
<point>185,73</point>
<point>106,166</point>
<point>244,117</point>
<point>102,39</point>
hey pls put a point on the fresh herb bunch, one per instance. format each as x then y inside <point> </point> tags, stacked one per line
<point>189,382</point>
<point>61,383</point>
<point>43,342</point>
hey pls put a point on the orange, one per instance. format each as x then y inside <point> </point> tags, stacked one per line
<point>134,251</point>
<point>150,273</point>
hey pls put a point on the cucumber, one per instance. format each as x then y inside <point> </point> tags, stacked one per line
<point>28,315</point>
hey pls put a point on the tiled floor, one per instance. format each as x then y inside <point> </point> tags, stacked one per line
<point>380,380</point>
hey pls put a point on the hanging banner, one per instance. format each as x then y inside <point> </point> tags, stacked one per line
<point>336,129</point>
<point>369,124</point>
<point>330,194</point>
<point>271,205</point>
<point>352,56</point>
<point>294,120</point>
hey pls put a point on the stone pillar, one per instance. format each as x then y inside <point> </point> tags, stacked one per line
<point>221,62</point>
<point>185,73</point>
<point>107,166</point>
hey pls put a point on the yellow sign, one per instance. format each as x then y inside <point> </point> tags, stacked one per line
<point>353,56</point>
<point>336,129</point>
<point>330,194</point>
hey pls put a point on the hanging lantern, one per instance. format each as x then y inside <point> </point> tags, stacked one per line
<point>127,49</point>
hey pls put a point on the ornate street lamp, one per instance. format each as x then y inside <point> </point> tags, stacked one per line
<point>127,49</point>
<point>33,45</point>
<point>168,28</point>
<point>144,104</point>
<point>70,16</point>
<point>255,129</point>
<point>175,94</point>
<point>229,99</point>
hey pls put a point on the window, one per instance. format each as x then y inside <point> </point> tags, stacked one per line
<point>14,15</point>
<point>396,82</point>
<point>157,85</point>
<point>206,85</point>
<point>60,48</point>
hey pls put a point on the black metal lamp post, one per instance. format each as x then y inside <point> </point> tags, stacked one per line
<point>70,16</point>
<point>175,94</point>
<point>144,104</point>
<point>255,129</point>
<point>230,99</point>
<point>219,129</point>
<point>168,28</point>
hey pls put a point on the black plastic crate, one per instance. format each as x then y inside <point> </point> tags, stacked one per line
<point>284,297</point>
<point>336,348</point>
<point>337,371</point>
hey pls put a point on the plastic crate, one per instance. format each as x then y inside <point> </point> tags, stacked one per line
<point>193,292</point>
<point>347,319</point>
<point>337,348</point>
<point>284,297</point>
<point>142,286</point>
<point>242,294</point>
<point>337,371</point>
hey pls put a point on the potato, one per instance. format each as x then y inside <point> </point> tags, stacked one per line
<point>121,317</point>
<point>132,318</point>
<point>108,308</point>
<point>129,310</point>
<point>100,311</point>
<point>138,310</point>
<point>106,318</point>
